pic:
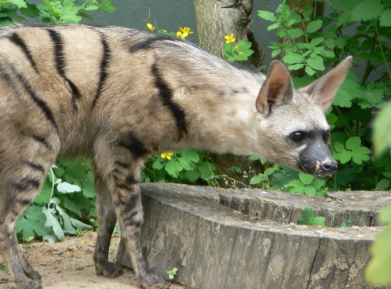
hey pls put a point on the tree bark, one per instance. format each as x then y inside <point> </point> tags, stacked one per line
<point>214,20</point>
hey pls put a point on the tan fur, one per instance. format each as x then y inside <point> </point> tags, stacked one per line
<point>117,94</point>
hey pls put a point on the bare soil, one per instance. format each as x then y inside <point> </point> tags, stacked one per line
<point>69,264</point>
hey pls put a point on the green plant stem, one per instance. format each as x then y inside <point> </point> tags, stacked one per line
<point>369,65</point>
<point>381,50</point>
<point>51,194</point>
<point>340,114</point>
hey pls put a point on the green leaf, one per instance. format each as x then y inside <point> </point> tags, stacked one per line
<point>343,18</point>
<point>316,63</point>
<point>385,18</point>
<point>173,168</point>
<point>192,176</point>
<point>339,147</point>
<point>257,179</point>
<point>379,267</point>
<point>306,178</point>
<point>44,195</point>
<point>206,170</point>
<point>276,52</point>
<point>309,70</point>
<point>314,25</point>
<point>106,6</point>
<point>53,223</point>
<point>318,183</point>
<point>267,15</point>
<point>293,58</point>
<point>296,66</point>
<point>318,221</point>
<point>311,191</point>
<point>31,222</point>
<point>345,5</point>
<point>273,26</point>
<point>345,156</point>
<point>367,10</point>
<point>295,32</point>
<point>382,185</point>
<point>92,6</point>
<point>307,11</point>
<point>30,11</point>
<point>18,3</point>
<point>306,216</point>
<point>353,143</point>
<point>361,154</point>
<point>317,41</point>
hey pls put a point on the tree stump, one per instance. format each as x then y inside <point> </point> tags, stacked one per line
<point>244,238</point>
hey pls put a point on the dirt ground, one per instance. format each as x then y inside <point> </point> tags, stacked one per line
<point>69,264</point>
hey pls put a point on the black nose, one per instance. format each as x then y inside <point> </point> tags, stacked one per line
<point>329,166</point>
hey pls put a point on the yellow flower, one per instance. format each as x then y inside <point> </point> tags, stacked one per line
<point>150,26</point>
<point>229,38</point>
<point>186,30</point>
<point>166,155</point>
<point>69,252</point>
<point>182,35</point>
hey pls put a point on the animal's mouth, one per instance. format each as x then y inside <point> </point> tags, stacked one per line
<point>319,168</point>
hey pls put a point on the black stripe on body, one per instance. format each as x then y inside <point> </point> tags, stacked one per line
<point>26,184</point>
<point>103,69</point>
<point>146,44</point>
<point>42,104</point>
<point>165,94</point>
<point>42,141</point>
<point>123,165</point>
<point>17,40</point>
<point>4,75</point>
<point>134,145</point>
<point>60,62</point>
<point>36,167</point>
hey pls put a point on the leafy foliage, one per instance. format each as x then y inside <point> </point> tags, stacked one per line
<point>307,218</point>
<point>60,205</point>
<point>171,273</point>
<point>349,223</point>
<point>55,11</point>
<point>359,28</point>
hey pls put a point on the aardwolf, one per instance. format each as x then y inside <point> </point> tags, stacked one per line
<point>116,95</point>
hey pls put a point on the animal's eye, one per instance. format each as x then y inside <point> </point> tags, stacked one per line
<point>326,136</point>
<point>297,136</point>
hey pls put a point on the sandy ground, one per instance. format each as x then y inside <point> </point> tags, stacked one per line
<point>69,264</point>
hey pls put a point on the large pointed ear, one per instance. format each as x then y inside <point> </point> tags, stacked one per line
<point>323,90</point>
<point>276,90</point>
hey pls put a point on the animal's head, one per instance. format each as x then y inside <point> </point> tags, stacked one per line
<point>293,119</point>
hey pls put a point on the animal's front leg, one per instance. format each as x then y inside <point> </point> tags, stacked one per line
<point>127,201</point>
<point>121,170</point>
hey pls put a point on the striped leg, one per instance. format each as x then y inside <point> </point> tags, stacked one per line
<point>20,182</point>
<point>122,173</point>
<point>107,219</point>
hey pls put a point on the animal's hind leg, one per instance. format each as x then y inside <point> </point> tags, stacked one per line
<point>107,219</point>
<point>21,177</point>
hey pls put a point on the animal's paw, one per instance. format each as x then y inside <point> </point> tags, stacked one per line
<point>109,270</point>
<point>29,284</point>
<point>152,281</point>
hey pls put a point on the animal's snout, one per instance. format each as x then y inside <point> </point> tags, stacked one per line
<point>329,166</point>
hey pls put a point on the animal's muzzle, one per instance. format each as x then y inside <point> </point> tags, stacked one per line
<point>316,160</point>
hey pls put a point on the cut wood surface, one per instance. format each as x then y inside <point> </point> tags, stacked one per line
<point>231,246</point>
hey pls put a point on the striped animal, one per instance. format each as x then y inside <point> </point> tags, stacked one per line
<point>115,95</point>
